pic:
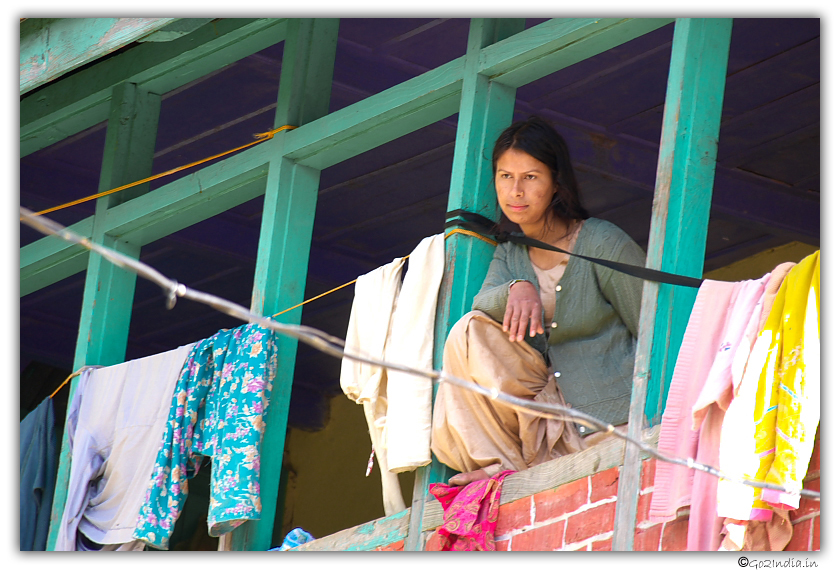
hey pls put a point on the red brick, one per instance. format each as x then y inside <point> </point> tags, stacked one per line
<point>647,540</point>
<point>675,535</point>
<point>590,523</point>
<point>549,537</point>
<point>648,474</point>
<point>814,464</point>
<point>433,543</point>
<point>807,506</point>
<point>502,545</point>
<point>399,545</point>
<point>643,508</point>
<point>801,536</point>
<point>815,541</point>
<point>564,499</point>
<point>514,516</point>
<point>604,485</point>
<point>602,545</point>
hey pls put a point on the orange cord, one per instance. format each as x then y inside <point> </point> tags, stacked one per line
<point>261,137</point>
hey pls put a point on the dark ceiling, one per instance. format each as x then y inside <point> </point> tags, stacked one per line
<point>380,204</point>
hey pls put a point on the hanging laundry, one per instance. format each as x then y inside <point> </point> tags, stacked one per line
<point>722,328</point>
<point>370,321</point>
<point>470,514</point>
<point>716,327</point>
<point>38,463</point>
<point>777,403</point>
<point>114,424</point>
<point>394,320</point>
<point>411,343</point>
<point>217,410</point>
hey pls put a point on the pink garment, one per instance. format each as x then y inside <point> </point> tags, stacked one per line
<point>706,325</point>
<point>704,526</point>
<point>719,335</point>
<point>470,514</point>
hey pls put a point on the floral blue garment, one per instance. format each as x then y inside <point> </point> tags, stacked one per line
<point>217,410</point>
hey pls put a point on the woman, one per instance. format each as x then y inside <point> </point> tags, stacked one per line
<point>543,326</point>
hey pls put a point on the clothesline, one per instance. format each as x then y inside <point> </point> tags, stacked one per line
<point>449,233</point>
<point>335,347</point>
<point>261,137</point>
<point>73,375</point>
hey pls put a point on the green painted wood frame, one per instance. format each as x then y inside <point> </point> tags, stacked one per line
<point>287,169</point>
<point>682,200</point>
<point>109,290</point>
<point>68,106</point>
<point>319,144</point>
<point>285,239</point>
<point>50,47</point>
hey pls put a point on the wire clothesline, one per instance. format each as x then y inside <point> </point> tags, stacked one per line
<point>334,346</point>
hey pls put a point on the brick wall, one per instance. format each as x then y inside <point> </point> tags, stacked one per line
<point>580,516</point>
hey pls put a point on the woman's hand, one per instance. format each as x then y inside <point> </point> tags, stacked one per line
<point>523,306</point>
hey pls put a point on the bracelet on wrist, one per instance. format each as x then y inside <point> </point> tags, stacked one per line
<point>514,282</point>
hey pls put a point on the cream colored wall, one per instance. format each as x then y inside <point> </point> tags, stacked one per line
<point>328,490</point>
<point>760,264</point>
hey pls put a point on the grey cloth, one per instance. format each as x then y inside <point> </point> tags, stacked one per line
<point>593,345</point>
<point>115,423</point>
<point>38,463</point>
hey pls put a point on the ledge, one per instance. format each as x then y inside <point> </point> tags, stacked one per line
<point>552,474</point>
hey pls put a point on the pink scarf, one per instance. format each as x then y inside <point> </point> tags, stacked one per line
<point>470,514</point>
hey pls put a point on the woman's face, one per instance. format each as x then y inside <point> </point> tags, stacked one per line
<point>524,188</point>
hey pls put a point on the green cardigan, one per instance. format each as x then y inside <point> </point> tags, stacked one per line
<point>593,345</point>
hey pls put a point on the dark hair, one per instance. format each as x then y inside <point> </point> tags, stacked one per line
<point>538,138</point>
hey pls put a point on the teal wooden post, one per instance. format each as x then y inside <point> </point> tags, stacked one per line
<point>285,239</point>
<point>692,148</point>
<point>682,200</point>
<point>486,109</point>
<point>109,290</point>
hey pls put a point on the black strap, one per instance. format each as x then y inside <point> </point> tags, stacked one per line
<point>478,223</point>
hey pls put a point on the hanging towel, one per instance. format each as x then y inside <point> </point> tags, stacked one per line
<point>367,332</point>
<point>38,463</point>
<point>411,342</point>
<point>777,402</point>
<point>114,424</point>
<point>216,410</point>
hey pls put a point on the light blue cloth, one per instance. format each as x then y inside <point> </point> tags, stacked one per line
<point>217,410</point>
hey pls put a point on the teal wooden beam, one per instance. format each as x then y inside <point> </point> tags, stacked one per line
<point>109,290</point>
<point>557,44</point>
<point>176,29</point>
<point>51,259</point>
<point>285,240</point>
<point>682,199</point>
<point>379,118</point>
<point>75,103</point>
<point>486,108</point>
<point>51,47</point>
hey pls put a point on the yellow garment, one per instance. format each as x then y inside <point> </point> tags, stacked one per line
<point>781,389</point>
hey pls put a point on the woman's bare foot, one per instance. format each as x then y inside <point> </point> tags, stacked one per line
<point>466,478</point>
